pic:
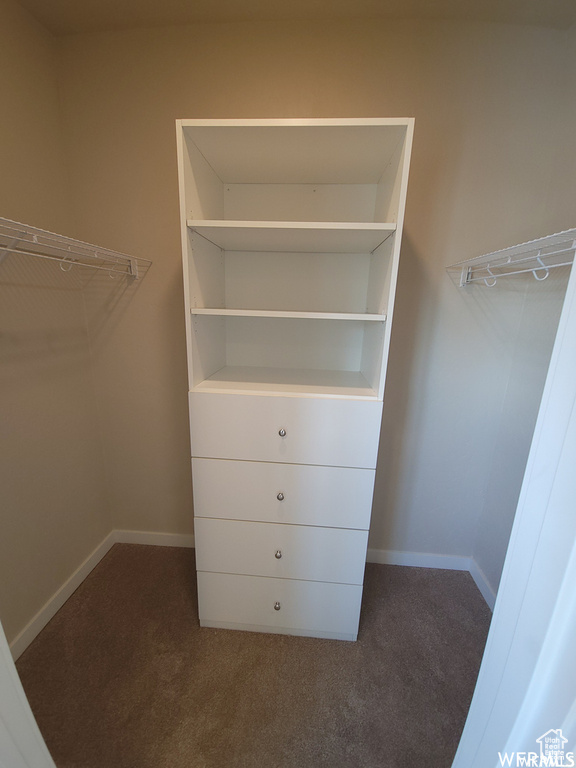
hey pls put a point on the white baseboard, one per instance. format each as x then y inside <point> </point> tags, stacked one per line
<point>53,605</point>
<point>482,583</point>
<point>156,539</point>
<point>430,560</point>
<point>418,559</point>
<point>381,556</point>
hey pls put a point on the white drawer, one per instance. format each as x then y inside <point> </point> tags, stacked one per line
<point>333,432</point>
<point>281,551</point>
<point>339,497</point>
<point>304,607</point>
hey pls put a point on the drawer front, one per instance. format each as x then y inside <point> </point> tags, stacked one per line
<point>304,607</point>
<point>338,497</point>
<point>343,433</point>
<point>281,551</point>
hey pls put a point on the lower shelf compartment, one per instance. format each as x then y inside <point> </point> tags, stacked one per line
<point>286,606</point>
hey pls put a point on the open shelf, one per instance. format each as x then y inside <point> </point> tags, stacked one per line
<point>316,171</point>
<point>296,236</point>
<point>308,355</point>
<point>291,239</point>
<point>289,314</point>
<point>298,382</point>
<point>334,285</point>
<point>296,151</point>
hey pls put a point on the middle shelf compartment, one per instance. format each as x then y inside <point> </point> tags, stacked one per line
<point>338,357</point>
<point>331,276</point>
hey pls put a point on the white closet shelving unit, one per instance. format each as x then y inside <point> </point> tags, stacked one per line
<point>19,239</point>
<point>291,236</point>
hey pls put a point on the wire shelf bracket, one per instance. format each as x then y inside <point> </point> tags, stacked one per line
<point>536,256</point>
<point>25,240</point>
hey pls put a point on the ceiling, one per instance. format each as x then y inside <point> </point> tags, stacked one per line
<point>63,17</point>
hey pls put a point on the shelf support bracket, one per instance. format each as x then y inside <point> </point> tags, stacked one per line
<point>465,276</point>
<point>5,250</point>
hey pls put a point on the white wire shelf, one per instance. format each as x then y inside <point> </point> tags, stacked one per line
<point>536,256</point>
<point>24,240</point>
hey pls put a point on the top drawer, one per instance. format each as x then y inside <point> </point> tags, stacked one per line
<point>297,430</point>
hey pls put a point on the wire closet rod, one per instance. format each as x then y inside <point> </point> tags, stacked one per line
<point>536,256</point>
<point>25,240</point>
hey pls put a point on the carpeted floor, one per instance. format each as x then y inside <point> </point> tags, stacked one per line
<point>123,677</point>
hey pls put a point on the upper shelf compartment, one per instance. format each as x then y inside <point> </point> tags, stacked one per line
<point>293,171</point>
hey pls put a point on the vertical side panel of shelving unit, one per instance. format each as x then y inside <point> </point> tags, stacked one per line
<point>203,190</point>
<point>394,187</point>
<point>206,272</point>
<point>390,185</point>
<point>371,365</point>
<point>208,346</point>
<point>379,280</point>
<point>203,266</point>
<point>183,175</point>
<point>206,280</point>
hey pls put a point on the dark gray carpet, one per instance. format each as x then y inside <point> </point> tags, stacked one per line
<point>123,677</point>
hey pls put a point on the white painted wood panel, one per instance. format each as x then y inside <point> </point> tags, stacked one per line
<point>206,273</point>
<point>207,346</point>
<point>300,202</point>
<point>316,282</point>
<point>276,342</point>
<point>298,236</point>
<point>312,151</point>
<point>305,607</point>
<point>310,495</point>
<point>280,551</point>
<point>203,190</point>
<point>292,382</point>
<point>379,296</point>
<point>318,430</point>
<point>290,314</point>
<point>287,353</point>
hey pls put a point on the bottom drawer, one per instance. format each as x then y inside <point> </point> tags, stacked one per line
<point>286,606</point>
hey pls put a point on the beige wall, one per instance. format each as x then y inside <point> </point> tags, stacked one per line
<point>32,176</point>
<point>489,130</point>
<point>52,509</point>
<point>491,152</point>
<point>531,311</point>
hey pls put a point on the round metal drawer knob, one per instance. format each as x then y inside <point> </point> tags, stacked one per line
<point>282,432</point>
<point>278,554</point>
<point>280,496</point>
<point>276,606</point>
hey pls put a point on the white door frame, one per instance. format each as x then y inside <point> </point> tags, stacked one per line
<point>528,676</point>
<point>21,743</point>
<point>527,681</point>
